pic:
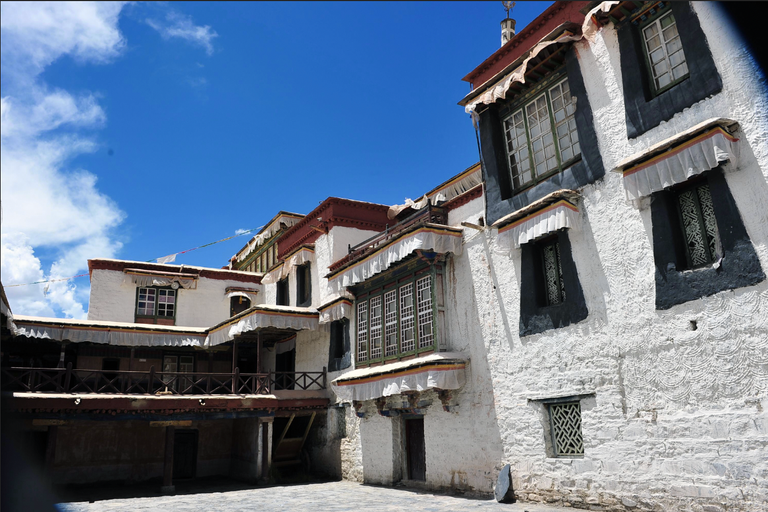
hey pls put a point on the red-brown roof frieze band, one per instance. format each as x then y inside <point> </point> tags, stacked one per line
<point>209,273</point>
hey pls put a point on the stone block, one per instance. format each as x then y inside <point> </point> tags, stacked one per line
<point>504,492</point>
<point>692,491</point>
<point>628,503</point>
<point>583,466</point>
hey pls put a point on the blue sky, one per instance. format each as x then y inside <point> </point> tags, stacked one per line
<point>140,130</point>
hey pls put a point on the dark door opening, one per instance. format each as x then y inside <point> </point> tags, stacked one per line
<point>285,362</point>
<point>184,454</point>
<point>238,305</point>
<point>415,449</point>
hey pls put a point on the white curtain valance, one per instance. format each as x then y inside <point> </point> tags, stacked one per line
<point>414,375</point>
<point>279,317</point>
<point>440,240</point>
<point>680,163</point>
<point>121,337</point>
<point>285,346</point>
<point>148,280</point>
<point>561,214</point>
<point>457,188</point>
<point>336,311</point>
<point>249,296</point>
<point>303,255</point>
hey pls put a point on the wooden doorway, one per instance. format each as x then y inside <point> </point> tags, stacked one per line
<point>415,449</point>
<point>184,454</point>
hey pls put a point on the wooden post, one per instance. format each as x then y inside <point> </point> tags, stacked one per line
<point>170,434</point>
<point>130,361</point>
<point>258,352</point>
<point>151,379</point>
<point>61,355</point>
<point>210,362</point>
<point>265,455</point>
<point>50,449</point>
<point>325,377</point>
<point>234,363</point>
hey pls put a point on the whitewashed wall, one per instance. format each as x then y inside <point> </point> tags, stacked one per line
<point>678,419</point>
<point>113,298</point>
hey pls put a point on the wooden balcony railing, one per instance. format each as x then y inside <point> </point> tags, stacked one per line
<point>69,380</point>
<point>429,214</point>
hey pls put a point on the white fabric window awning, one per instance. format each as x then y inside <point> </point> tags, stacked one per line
<point>335,309</point>
<point>148,278</point>
<point>559,215</point>
<point>443,370</point>
<point>431,237</point>
<point>248,295</point>
<point>121,334</point>
<point>299,257</point>
<point>262,316</point>
<point>679,163</point>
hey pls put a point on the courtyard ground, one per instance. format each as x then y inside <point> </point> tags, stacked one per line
<point>320,497</point>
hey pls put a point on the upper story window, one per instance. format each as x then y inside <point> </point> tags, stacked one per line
<point>304,285</point>
<point>153,304</point>
<point>282,296</point>
<point>553,284</point>
<point>238,304</point>
<point>541,136</point>
<point>397,319</point>
<point>664,52</point>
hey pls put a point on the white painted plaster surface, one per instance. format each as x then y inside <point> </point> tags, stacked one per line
<point>113,298</point>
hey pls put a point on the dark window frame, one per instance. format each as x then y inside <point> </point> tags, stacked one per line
<point>739,266</point>
<point>156,316</point>
<point>232,308</point>
<point>339,353</point>
<point>536,314</point>
<point>641,26</point>
<point>644,109</point>
<point>283,293</point>
<point>304,285</point>
<point>500,198</point>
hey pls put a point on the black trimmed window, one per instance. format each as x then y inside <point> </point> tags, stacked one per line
<point>700,244</point>
<point>304,285</point>
<point>282,297</point>
<point>541,135</point>
<point>664,53</point>
<point>700,238</point>
<point>238,304</point>
<point>153,303</point>
<point>396,319</point>
<point>552,284</point>
<point>565,426</point>
<point>339,356</point>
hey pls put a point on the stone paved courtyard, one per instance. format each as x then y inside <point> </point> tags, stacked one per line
<point>332,496</point>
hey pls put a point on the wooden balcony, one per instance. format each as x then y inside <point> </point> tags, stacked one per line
<point>152,383</point>
<point>427,215</point>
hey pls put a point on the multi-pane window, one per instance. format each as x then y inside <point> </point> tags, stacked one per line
<point>554,286</point>
<point>156,302</point>
<point>665,52</point>
<point>565,421</point>
<point>399,316</point>
<point>541,136</point>
<point>699,225</point>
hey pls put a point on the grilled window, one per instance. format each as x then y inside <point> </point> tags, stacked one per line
<point>399,316</point>
<point>541,136</point>
<point>554,286</point>
<point>565,421</point>
<point>699,226</point>
<point>664,52</point>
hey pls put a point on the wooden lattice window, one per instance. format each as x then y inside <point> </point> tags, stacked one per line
<point>565,422</point>
<point>153,302</point>
<point>397,319</point>
<point>699,225</point>
<point>362,331</point>
<point>541,136</point>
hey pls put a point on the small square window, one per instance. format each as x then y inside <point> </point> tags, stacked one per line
<point>155,303</point>
<point>565,422</point>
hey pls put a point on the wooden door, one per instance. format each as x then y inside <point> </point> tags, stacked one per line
<point>184,454</point>
<point>415,449</point>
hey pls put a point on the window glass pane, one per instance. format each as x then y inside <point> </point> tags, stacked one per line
<point>424,298</point>
<point>665,51</point>
<point>362,331</point>
<point>390,323</point>
<point>565,124</point>
<point>517,149</point>
<point>407,342</point>
<point>146,303</point>
<point>375,330</point>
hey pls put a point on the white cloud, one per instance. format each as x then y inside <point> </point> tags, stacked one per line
<point>46,205</point>
<point>178,25</point>
<point>241,231</point>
